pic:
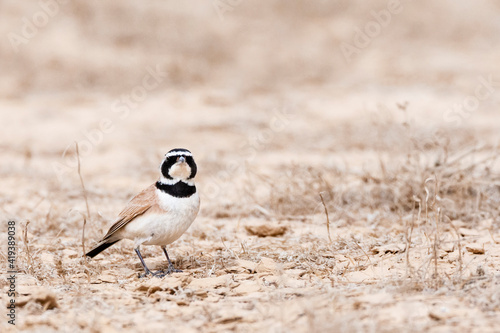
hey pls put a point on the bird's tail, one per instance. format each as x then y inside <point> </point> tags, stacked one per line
<point>99,248</point>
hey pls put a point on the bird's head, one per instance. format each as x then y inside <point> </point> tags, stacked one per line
<point>178,165</point>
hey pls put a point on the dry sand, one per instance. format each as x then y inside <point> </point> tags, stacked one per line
<point>275,115</point>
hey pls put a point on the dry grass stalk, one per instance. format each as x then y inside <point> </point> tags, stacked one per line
<point>327,219</point>
<point>60,268</point>
<point>86,201</point>
<point>435,245</point>
<point>81,180</point>
<point>459,244</point>
<point>362,250</point>
<point>408,236</point>
<point>28,250</point>
<point>83,238</point>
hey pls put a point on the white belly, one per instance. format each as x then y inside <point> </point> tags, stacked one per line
<point>163,229</point>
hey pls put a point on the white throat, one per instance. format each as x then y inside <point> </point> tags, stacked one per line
<point>173,181</point>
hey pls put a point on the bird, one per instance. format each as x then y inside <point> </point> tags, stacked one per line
<point>161,213</point>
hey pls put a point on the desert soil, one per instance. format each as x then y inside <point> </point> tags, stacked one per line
<point>400,139</point>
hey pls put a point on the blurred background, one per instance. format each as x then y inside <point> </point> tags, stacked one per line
<point>128,81</point>
<point>244,47</point>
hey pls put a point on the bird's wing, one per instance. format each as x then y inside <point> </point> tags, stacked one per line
<point>139,205</point>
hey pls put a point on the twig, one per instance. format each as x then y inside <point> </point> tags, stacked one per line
<point>327,219</point>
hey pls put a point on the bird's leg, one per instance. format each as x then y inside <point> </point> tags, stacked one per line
<point>171,268</point>
<point>146,269</point>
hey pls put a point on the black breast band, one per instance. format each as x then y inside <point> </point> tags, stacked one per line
<point>178,190</point>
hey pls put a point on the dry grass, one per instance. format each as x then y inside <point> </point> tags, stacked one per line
<point>396,237</point>
<point>383,215</point>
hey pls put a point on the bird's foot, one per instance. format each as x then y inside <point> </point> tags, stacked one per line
<point>158,274</point>
<point>168,271</point>
<point>161,273</point>
<point>171,269</point>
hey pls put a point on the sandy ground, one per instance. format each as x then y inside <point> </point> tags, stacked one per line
<point>396,127</point>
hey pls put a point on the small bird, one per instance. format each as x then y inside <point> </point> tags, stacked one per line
<point>161,213</point>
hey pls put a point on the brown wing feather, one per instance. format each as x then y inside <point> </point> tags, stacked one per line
<point>139,204</point>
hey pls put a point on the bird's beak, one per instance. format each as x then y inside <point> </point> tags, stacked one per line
<point>182,159</point>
